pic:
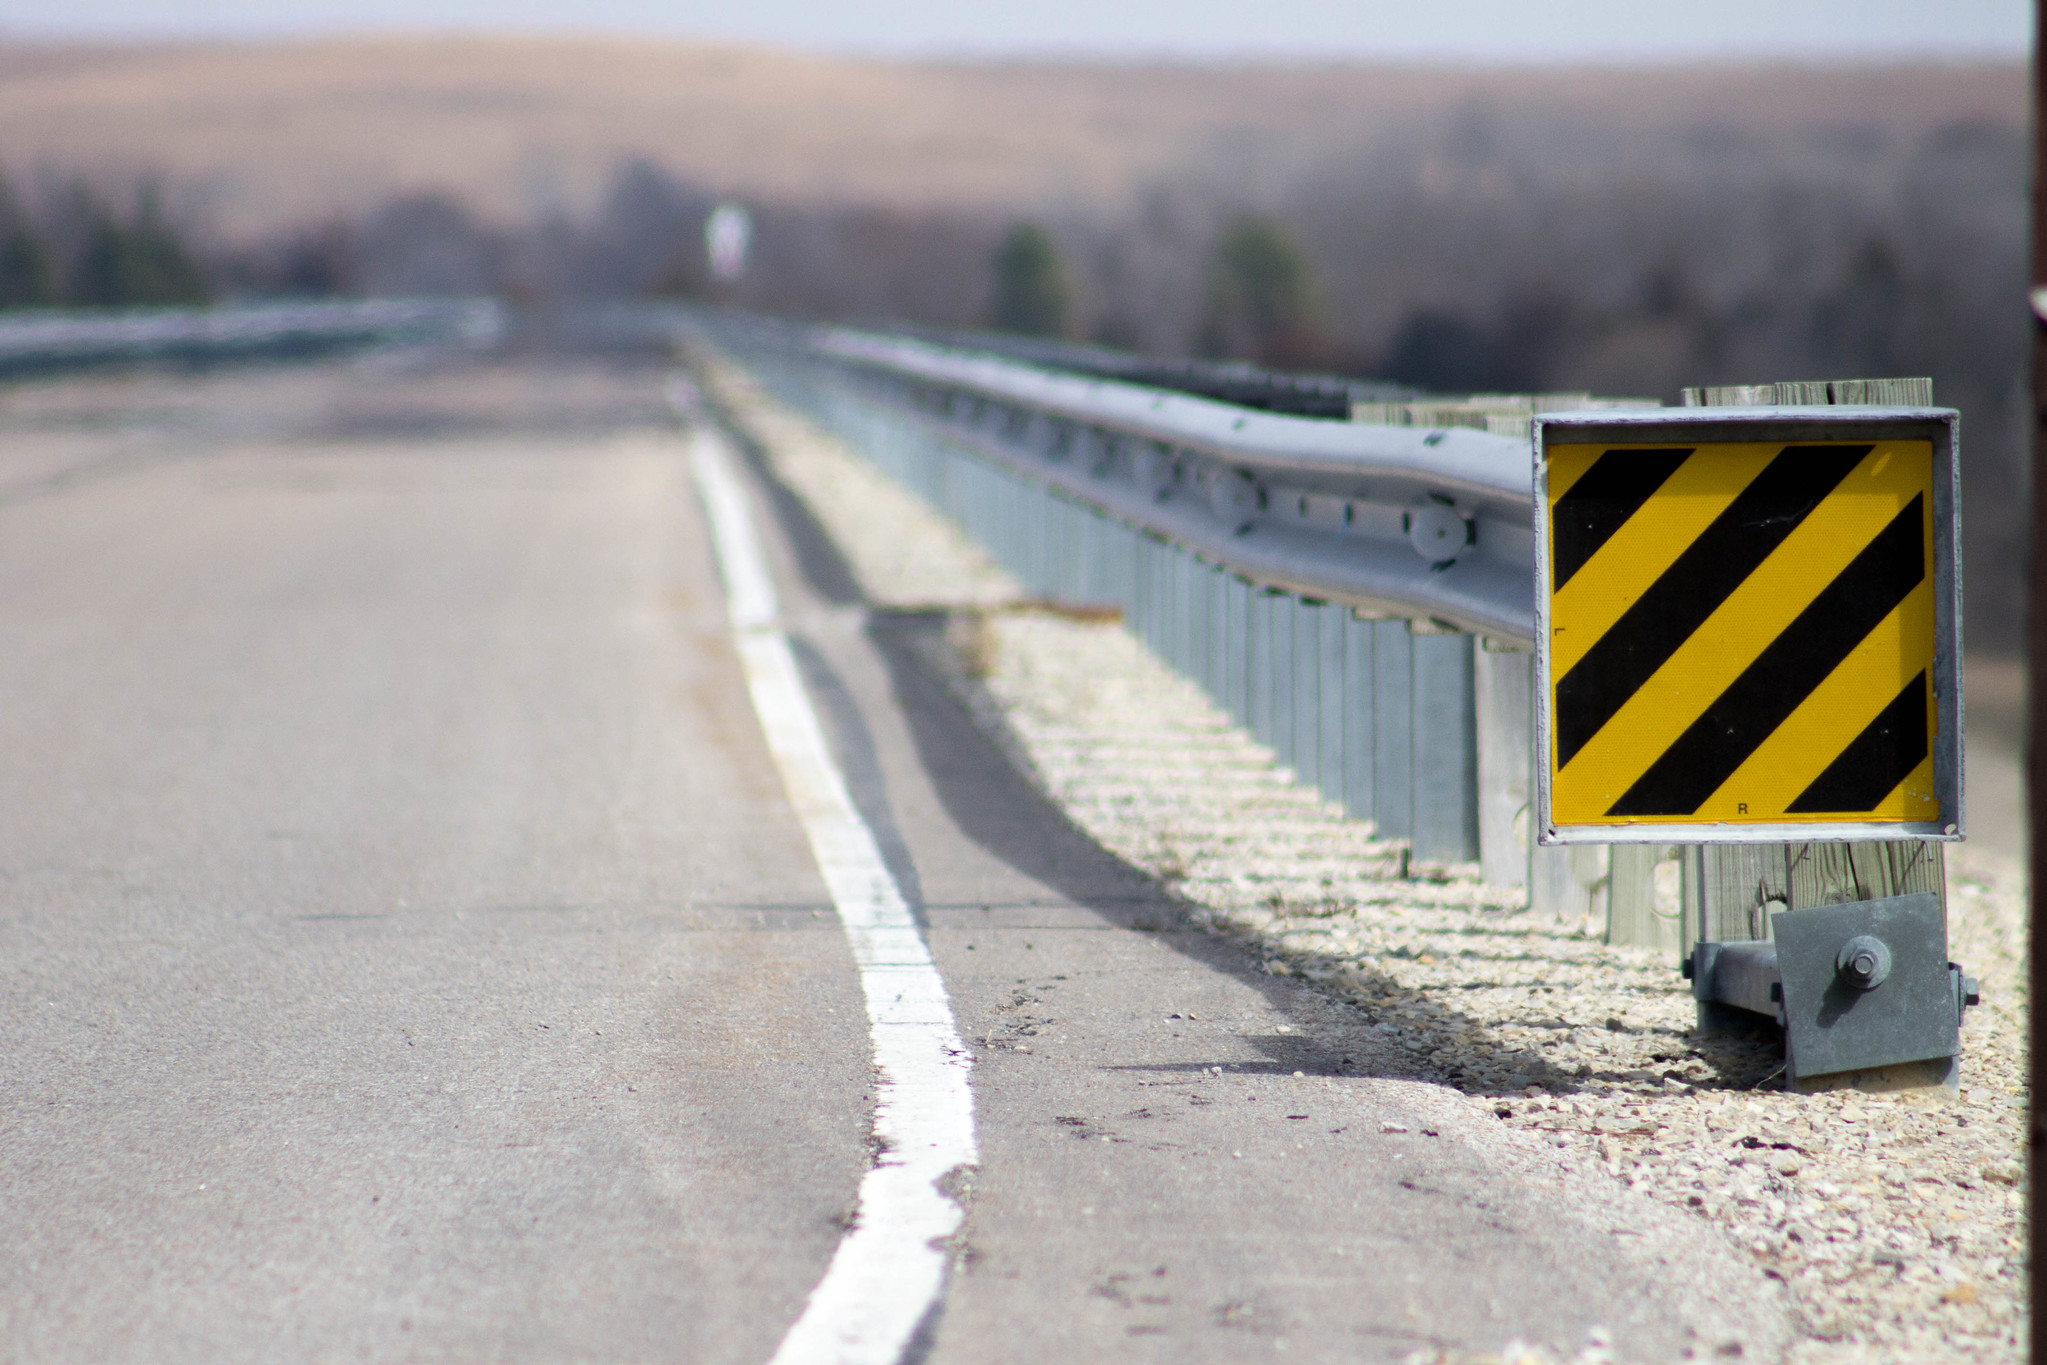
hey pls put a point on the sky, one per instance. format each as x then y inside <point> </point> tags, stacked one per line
<point>1452,30</point>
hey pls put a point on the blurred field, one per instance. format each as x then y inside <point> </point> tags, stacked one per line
<point>1620,230</point>
<point>268,133</point>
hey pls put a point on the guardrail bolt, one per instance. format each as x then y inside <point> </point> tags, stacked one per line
<point>1438,534</point>
<point>1864,962</point>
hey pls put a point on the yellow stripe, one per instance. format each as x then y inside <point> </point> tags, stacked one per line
<point>1621,570</point>
<point>1811,557</point>
<point>1915,793</point>
<point>1826,722</point>
<point>1567,465</point>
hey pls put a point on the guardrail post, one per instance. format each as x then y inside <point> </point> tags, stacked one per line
<point>1176,576</point>
<point>1094,555</point>
<point>917,462</point>
<point>1179,579</point>
<point>1107,586</point>
<point>1830,874</point>
<point>1076,571</point>
<point>1259,668</point>
<point>1000,520</point>
<point>967,482</point>
<point>1739,886</point>
<point>1115,565</point>
<point>1173,604</point>
<point>1445,770</point>
<point>1130,574</point>
<point>1331,761</point>
<point>1038,524</point>
<point>1503,693</point>
<point>1067,575</point>
<point>1566,883</point>
<point>1023,521</point>
<point>968,490</point>
<point>1631,913</point>
<point>1144,615</point>
<point>1216,589</point>
<point>1393,729</point>
<point>1280,659</point>
<point>1307,669</point>
<point>1165,601</point>
<point>1131,563</point>
<point>1359,715</point>
<point>1186,622</point>
<point>949,483</point>
<point>1243,610</point>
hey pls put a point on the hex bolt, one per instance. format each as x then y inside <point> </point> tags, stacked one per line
<point>1864,961</point>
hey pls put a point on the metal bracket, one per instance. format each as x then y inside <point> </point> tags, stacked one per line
<point>1855,987</point>
<point>1742,974</point>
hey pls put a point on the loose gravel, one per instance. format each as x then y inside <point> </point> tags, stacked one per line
<point>1895,1223</point>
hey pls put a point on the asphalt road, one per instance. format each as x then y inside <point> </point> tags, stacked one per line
<point>410,953</point>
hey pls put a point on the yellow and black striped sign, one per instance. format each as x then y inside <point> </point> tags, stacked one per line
<point>1741,633</point>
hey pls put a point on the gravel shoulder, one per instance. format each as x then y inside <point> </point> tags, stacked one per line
<point>1895,1225</point>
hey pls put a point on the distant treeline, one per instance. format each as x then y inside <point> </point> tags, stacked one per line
<point>1476,252</point>
<point>75,247</point>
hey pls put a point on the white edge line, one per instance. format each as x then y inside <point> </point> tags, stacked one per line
<point>890,1268</point>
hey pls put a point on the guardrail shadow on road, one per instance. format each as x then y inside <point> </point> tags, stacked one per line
<point>996,805</point>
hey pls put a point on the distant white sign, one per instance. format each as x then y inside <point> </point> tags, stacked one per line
<point>727,234</point>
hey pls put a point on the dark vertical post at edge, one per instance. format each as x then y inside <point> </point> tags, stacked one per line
<point>2036,673</point>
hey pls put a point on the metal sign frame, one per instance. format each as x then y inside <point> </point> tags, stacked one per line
<point>1791,425</point>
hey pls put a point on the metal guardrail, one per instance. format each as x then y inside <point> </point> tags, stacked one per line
<point>1359,597</point>
<point>1402,521</point>
<point>1236,382</point>
<point>42,341</point>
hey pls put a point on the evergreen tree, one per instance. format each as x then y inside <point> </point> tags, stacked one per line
<point>26,280</point>
<point>1262,300</point>
<point>169,275</point>
<point>141,263</point>
<point>102,275</point>
<point>1030,283</point>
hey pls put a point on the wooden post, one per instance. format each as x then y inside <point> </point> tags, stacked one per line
<point>1503,696</point>
<point>1741,885</point>
<point>1828,874</point>
<point>1631,913</point>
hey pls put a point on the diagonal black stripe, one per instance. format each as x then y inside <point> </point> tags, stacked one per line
<point>1689,591</point>
<point>1784,674</point>
<point>1601,502</point>
<point>1875,761</point>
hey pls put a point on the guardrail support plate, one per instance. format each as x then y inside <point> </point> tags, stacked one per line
<point>1866,985</point>
<point>1863,990</point>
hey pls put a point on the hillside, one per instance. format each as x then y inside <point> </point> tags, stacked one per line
<point>270,133</point>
